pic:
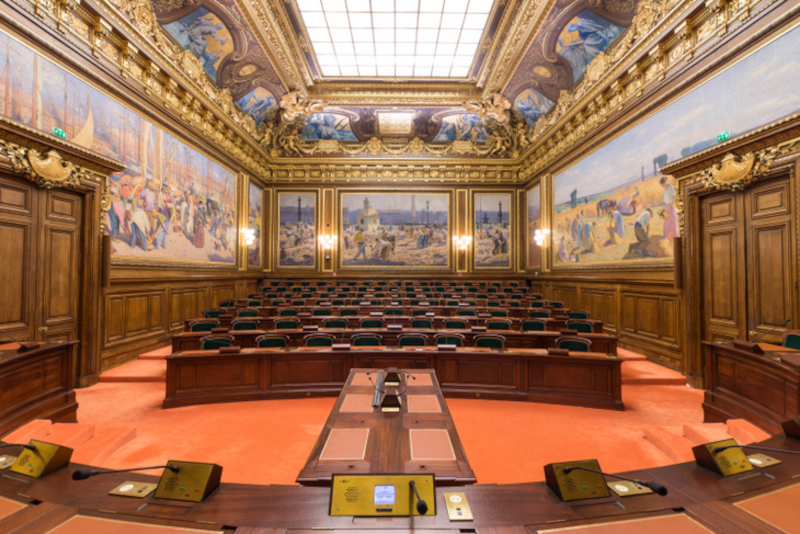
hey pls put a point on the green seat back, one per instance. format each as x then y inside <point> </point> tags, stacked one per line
<point>393,311</point>
<point>455,324</point>
<point>245,325</point>
<point>557,303</point>
<point>212,344</point>
<point>372,323</point>
<point>337,302</point>
<point>287,313</point>
<point>335,323</point>
<point>533,326</point>
<point>466,313</point>
<point>286,324</point>
<point>415,313</point>
<point>575,345</point>
<point>412,341</point>
<point>319,341</point>
<point>543,313</point>
<point>498,325</point>
<point>254,303</point>
<point>227,304</point>
<point>348,311</point>
<point>792,341</point>
<point>321,311</point>
<point>247,313</point>
<point>203,327</point>
<point>498,313</point>
<point>581,326</point>
<point>366,341</point>
<point>578,315</point>
<point>537,304</point>
<point>212,314</point>
<point>514,304</point>
<point>449,340</point>
<point>271,342</point>
<point>421,323</point>
<point>489,342</point>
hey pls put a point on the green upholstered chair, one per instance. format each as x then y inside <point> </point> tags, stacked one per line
<point>281,289</point>
<point>321,312</point>
<point>203,325</point>
<point>536,296</point>
<point>322,283</point>
<point>508,290</point>
<point>536,304</point>
<point>534,325</point>
<point>493,303</point>
<point>366,340</point>
<point>298,303</point>
<point>481,296</point>
<point>307,295</point>
<point>286,324</point>
<point>421,323</point>
<point>305,283</point>
<point>455,324</point>
<point>539,313</point>
<point>514,304</point>
<point>498,313</point>
<point>344,312</point>
<point>393,311</point>
<point>491,290</point>
<point>490,341</point>
<point>451,303</point>
<point>467,313</point>
<point>337,302</point>
<point>244,324</point>
<point>472,290</point>
<point>318,340</point>
<point>287,312</point>
<point>334,323</point>
<point>582,326</point>
<point>254,296</point>
<point>513,284</point>
<point>414,302</point>
<point>412,340</point>
<point>297,289</point>
<point>247,312</point>
<point>215,341</point>
<point>450,339</point>
<point>213,313</point>
<point>578,314</point>
<point>470,302</point>
<point>278,302</point>
<point>574,343</point>
<point>791,339</point>
<point>372,322</point>
<point>227,304</point>
<point>516,296</point>
<point>271,295</point>
<point>271,340</point>
<point>556,303</point>
<point>416,313</point>
<point>498,324</point>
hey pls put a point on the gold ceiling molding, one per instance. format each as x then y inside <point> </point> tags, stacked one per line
<point>345,174</point>
<point>395,92</point>
<point>610,80</point>
<point>292,144</point>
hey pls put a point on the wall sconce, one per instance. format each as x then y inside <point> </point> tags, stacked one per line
<point>541,237</point>
<point>327,241</point>
<point>248,237</point>
<point>462,242</point>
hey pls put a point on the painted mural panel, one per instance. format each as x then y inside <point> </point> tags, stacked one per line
<point>257,103</point>
<point>532,104</point>
<point>171,202</point>
<point>205,36</point>
<point>394,230</point>
<point>583,38</point>
<point>328,126</point>
<point>297,239</point>
<point>534,223</point>
<point>615,206</point>
<point>463,127</point>
<point>255,219</point>
<point>492,236</point>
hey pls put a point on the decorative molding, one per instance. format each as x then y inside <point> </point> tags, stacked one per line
<point>48,169</point>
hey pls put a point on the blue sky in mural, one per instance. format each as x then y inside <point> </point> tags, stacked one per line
<point>201,33</point>
<point>583,38</point>
<point>532,104</point>
<point>257,104</point>
<point>328,126</point>
<point>735,101</point>
<point>464,127</point>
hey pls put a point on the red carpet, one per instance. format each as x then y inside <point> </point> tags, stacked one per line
<point>267,442</point>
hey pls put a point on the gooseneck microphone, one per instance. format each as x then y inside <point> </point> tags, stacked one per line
<point>719,449</point>
<point>23,445</point>
<point>422,506</point>
<point>771,330</point>
<point>655,486</point>
<point>83,474</point>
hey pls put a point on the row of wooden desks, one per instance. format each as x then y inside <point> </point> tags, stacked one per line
<point>604,343</point>
<point>268,309</point>
<point>699,501</point>
<point>579,379</point>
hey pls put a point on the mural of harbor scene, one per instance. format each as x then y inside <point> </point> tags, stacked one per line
<point>534,223</point>
<point>254,220</point>
<point>401,230</point>
<point>615,205</point>
<point>297,239</point>
<point>492,236</point>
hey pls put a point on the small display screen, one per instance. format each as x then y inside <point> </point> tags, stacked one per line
<point>384,494</point>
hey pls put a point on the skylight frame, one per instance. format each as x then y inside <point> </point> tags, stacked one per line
<point>404,44</point>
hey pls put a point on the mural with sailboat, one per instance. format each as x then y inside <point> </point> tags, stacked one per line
<point>171,203</point>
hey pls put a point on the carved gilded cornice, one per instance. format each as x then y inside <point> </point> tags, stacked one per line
<point>392,174</point>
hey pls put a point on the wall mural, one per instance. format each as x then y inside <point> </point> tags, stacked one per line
<point>255,218</point>
<point>584,38</point>
<point>297,239</point>
<point>534,223</point>
<point>394,230</point>
<point>463,127</point>
<point>492,236</point>
<point>205,36</point>
<point>615,206</point>
<point>257,103</point>
<point>327,126</point>
<point>532,105</point>
<point>171,203</point>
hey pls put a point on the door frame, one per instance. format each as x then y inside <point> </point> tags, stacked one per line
<point>50,162</point>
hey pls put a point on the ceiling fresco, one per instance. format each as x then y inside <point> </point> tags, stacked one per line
<point>292,123</point>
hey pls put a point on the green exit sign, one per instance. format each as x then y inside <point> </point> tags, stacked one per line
<point>723,137</point>
<point>58,132</point>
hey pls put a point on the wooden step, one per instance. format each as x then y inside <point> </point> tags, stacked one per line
<point>670,441</point>
<point>706,433</point>
<point>36,429</point>
<point>156,354</point>
<point>104,444</point>
<point>137,371</point>
<point>745,432</point>
<point>649,373</point>
<point>71,435</point>
<point>629,355</point>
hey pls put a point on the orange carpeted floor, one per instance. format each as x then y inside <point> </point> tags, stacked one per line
<point>267,442</point>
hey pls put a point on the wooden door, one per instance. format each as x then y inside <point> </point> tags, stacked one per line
<point>40,258</point>
<point>724,271</point>
<point>770,276</point>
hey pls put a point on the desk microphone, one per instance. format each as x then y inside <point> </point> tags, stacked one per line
<point>771,330</point>
<point>718,450</point>
<point>83,474</point>
<point>422,506</point>
<point>655,486</point>
<point>23,445</point>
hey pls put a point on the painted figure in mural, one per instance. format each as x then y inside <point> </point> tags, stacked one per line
<point>465,127</point>
<point>594,35</point>
<point>616,227</point>
<point>627,206</point>
<point>588,237</point>
<point>642,232</point>
<point>563,253</point>
<point>360,241</point>
<point>669,213</point>
<point>140,227</point>
<point>255,106</point>
<point>192,37</point>
<point>327,126</point>
<point>535,106</point>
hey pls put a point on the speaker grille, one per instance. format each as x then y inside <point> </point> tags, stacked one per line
<point>351,494</point>
<point>570,485</point>
<point>25,458</point>
<point>724,462</point>
<point>171,483</point>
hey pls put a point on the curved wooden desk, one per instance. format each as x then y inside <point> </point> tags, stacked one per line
<point>580,379</point>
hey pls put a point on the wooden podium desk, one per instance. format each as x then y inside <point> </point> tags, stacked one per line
<point>37,384</point>
<point>761,388</point>
<point>419,439</point>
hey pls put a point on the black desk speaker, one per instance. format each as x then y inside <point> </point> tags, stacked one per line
<point>578,485</point>
<point>194,482</point>
<point>47,458</point>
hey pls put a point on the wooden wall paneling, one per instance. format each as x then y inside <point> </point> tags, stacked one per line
<point>266,235</point>
<point>17,208</point>
<point>567,294</point>
<point>651,323</point>
<point>602,303</point>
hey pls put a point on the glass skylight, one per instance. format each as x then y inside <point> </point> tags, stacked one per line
<point>395,38</point>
